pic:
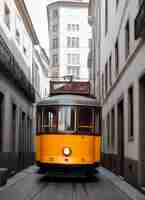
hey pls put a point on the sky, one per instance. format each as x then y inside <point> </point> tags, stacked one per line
<point>38,14</point>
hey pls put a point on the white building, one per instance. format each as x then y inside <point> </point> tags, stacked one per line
<point>17,89</point>
<point>17,95</point>
<point>69,35</point>
<point>123,88</point>
<point>40,71</point>
<point>94,19</point>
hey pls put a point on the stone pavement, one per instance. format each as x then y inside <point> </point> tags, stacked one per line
<point>29,185</point>
<point>126,188</point>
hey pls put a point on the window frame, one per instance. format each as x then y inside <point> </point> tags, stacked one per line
<point>117,57</point>
<point>41,130</point>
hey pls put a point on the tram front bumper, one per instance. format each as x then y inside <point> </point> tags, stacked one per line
<point>75,170</point>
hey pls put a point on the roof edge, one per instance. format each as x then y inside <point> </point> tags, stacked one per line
<point>21,6</point>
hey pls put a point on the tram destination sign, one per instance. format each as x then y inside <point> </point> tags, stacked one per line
<point>57,87</point>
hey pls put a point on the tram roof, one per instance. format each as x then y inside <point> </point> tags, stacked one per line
<point>69,100</point>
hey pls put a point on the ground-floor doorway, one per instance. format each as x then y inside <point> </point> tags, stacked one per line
<point>142,130</point>
<point>121,138</point>
<point>1,119</point>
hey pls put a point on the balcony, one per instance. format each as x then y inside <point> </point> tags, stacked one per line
<point>140,22</point>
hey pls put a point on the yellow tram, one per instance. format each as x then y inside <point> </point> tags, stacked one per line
<point>68,133</point>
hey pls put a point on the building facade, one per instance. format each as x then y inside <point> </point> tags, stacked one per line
<point>17,91</point>
<point>40,71</point>
<point>122,77</point>
<point>69,36</point>
<point>94,19</point>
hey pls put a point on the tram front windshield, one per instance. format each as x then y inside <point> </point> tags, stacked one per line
<point>67,119</point>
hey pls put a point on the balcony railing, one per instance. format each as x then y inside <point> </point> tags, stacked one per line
<point>10,68</point>
<point>140,22</point>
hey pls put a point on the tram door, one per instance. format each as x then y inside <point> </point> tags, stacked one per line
<point>121,137</point>
<point>1,102</point>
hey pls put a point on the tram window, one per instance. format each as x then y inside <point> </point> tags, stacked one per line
<point>39,122</point>
<point>97,123</point>
<point>66,119</point>
<point>86,122</point>
<point>50,119</point>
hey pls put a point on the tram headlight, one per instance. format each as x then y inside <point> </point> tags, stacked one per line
<point>67,151</point>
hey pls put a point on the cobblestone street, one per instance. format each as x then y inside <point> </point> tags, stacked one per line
<point>28,184</point>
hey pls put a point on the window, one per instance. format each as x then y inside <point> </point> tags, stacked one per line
<point>130,112</point>
<point>110,70</point>
<point>68,42</point>
<point>69,27</point>
<point>90,44</point>
<point>106,77</point>
<point>17,36</point>
<point>74,71</point>
<point>72,42</point>
<point>77,27</point>
<point>73,27</point>
<point>26,43</point>
<point>127,39</point>
<point>73,59</point>
<point>50,119</point>
<point>70,119</point>
<point>55,60</point>
<point>17,28</point>
<point>117,1</point>
<point>66,119</point>
<point>7,16</point>
<point>35,77</point>
<point>55,14</point>
<point>116,57</point>
<point>55,28</point>
<point>24,50</point>
<point>55,43</point>
<point>77,42</point>
<point>106,16</point>
<point>97,120</point>
<point>85,121</point>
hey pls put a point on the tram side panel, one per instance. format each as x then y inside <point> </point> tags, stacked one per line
<point>52,149</point>
<point>37,147</point>
<point>97,150</point>
<point>97,140</point>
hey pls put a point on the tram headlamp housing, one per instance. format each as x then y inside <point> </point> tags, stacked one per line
<point>67,151</point>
